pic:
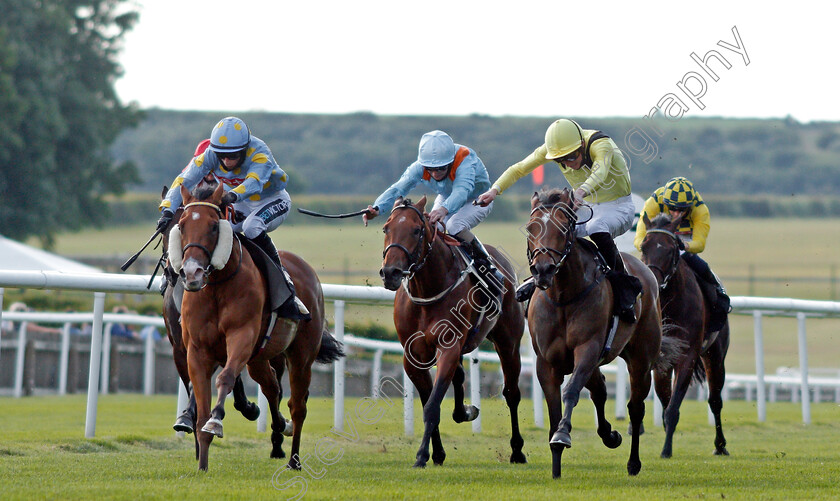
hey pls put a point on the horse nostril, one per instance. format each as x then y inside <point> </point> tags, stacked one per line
<point>382,273</point>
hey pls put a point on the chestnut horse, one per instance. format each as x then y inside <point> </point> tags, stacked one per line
<point>440,314</point>
<point>684,307</point>
<point>225,315</point>
<point>172,319</point>
<point>574,330</point>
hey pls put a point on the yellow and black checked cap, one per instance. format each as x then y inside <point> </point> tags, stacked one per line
<point>679,193</point>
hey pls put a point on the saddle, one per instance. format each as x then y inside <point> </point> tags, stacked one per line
<point>281,289</point>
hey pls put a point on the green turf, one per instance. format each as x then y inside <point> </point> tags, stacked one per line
<point>135,455</point>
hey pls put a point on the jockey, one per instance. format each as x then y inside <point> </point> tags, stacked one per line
<point>678,198</point>
<point>595,168</point>
<point>254,183</point>
<point>457,174</point>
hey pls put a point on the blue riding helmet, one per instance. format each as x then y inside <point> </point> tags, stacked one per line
<point>229,135</point>
<point>436,149</point>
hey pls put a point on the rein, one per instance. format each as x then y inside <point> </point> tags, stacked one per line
<point>675,261</point>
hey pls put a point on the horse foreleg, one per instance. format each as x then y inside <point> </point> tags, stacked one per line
<point>446,366</point>
<point>586,358</point>
<point>551,380</point>
<point>639,389</point>
<point>462,412</point>
<point>237,358</point>
<point>671,414</point>
<point>422,380</point>
<point>186,421</point>
<point>598,393</point>
<point>200,372</point>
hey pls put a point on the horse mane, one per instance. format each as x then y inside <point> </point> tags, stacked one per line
<point>203,192</point>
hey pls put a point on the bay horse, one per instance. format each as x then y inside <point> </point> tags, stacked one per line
<point>684,307</point>
<point>574,330</point>
<point>226,321</point>
<point>440,314</point>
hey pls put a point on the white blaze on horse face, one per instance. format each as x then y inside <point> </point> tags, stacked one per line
<point>546,218</point>
<point>195,215</point>
<point>658,245</point>
<point>401,220</point>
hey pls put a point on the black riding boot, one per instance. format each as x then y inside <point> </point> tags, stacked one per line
<point>702,269</point>
<point>265,243</point>
<point>485,267</point>
<point>625,286</point>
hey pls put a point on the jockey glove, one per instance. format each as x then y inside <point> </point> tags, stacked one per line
<point>680,244</point>
<point>228,198</point>
<point>165,219</point>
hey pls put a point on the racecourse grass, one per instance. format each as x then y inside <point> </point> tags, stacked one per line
<point>136,455</point>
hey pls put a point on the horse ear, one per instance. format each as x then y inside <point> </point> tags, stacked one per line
<point>163,193</point>
<point>646,219</point>
<point>397,203</point>
<point>421,204</point>
<point>217,193</point>
<point>535,200</point>
<point>186,195</point>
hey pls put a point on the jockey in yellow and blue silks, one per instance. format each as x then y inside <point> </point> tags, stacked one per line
<point>254,183</point>
<point>679,198</point>
<point>458,176</point>
<point>597,172</point>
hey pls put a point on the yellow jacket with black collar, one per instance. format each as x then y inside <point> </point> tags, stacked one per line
<point>694,228</point>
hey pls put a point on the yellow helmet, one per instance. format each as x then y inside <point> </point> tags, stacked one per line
<point>679,194</point>
<point>562,137</point>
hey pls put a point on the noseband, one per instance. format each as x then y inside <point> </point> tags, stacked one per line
<point>675,260</point>
<point>415,263</point>
<point>532,254</point>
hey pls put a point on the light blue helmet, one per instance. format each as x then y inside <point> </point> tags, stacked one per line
<point>229,135</point>
<point>436,149</point>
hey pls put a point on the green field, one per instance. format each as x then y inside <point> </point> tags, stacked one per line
<point>135,455</point>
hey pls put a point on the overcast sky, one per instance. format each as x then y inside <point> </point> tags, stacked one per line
<point>548,58</point>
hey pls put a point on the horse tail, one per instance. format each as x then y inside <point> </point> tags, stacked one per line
<point>671,351</point>
<point>699,371</point>
<point>331,350</point>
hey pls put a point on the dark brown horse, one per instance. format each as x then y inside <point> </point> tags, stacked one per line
<point>573,328</point>
<point>685,308</point>
<point>440,314</point>
<point>226,321</point>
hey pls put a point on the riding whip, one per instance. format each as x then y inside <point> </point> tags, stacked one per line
<point>134,257</point>
<point>332,216</point>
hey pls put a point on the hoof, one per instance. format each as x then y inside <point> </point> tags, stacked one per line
<point>214,427</point>
<point>470,414</point>
<point>249,411</point>
<point>438,459</point>
<point>560,439</point>
<point>518,458</point>
<point>278,454</point>
<point>634,467</point>
<point>613,440</point>
<point>183,425</point>
<point>721,452</point>
<point>419,464</point>
<point>665,455</point>
<point>289,430</point>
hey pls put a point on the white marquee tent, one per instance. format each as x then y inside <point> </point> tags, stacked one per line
<point>17,256</point>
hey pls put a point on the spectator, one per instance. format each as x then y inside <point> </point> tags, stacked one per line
<point>9,326</point>
<point>120,329</point>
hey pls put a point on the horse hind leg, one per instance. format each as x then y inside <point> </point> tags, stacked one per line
<point>511,367</point>
<point>715,375</point>
<point>671,414</point>
<point>639,389</point>
<point>598,393</point>
<point>266,377</point>
<point>249,410</point>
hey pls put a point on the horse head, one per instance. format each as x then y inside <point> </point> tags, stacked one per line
<point>551,234</point>
<point>660,249</point>
<point>202,241</point>
<point>408,240</point>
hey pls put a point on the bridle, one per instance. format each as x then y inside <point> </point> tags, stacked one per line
<point>416,258</point>
<point>210,255</point>
<point>675,259</point>
<point>532,254</point>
